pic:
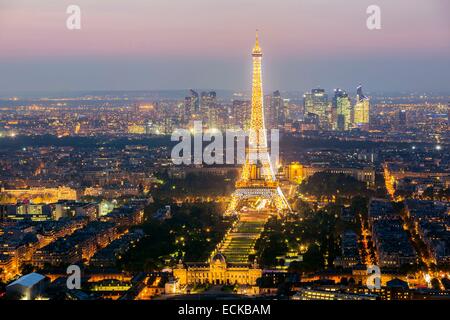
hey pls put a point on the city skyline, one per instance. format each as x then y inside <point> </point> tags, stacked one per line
<point>110,190</point>
<point>134,48</point>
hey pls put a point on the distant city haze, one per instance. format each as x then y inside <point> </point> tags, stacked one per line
<point>180,44</point>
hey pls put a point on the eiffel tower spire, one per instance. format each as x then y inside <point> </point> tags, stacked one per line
<point>257,48</point>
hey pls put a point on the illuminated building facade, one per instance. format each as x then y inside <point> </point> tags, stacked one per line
<point>241,113</point>
<point>8,266</point>
<point>361,110</point>
<point>191,106</point>
<point>217,271</point>
<point>209,109</point>
<point>316,102</point>
<point>343,109</point>
<point>274,110</point>
<point>402,119</point>
<point>38,195</point>
<point>329,294</point>
<point>137,129</point>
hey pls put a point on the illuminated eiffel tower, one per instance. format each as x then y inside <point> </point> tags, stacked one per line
<point>257,180</point>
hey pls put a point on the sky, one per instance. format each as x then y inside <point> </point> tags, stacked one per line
<point>181,44</point>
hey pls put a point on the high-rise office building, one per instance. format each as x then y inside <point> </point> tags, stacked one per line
<point>361,109</point>
<point>269,112</point>
<point>402,120</point>
<point>316,102</point>
<point>277,110</point>
<point>195,101</point>
<point>191,106</point>
<point>279,107</point>
<point>343,110</point>
<point>187,114</point>
<point>286,112</point>
<point>240,111</point>
<point>209,110</point>
<point>274,110</point>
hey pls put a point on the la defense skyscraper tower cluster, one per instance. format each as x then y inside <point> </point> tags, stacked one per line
<point>257,179</point>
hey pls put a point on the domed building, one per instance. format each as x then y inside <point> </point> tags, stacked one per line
<point>217,271</point>
<point>218,259</point>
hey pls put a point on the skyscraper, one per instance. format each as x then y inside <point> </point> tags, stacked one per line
<point>187,114</point>
<point>209,110</point>
<point>343,110</point>
<point>402,120</point>
<point>191,106</point>
<point>316,102</point>
<point>195,101</point>
<point>278,108</point>
<point>274,110</point>
<point>362,108</point>
<point>241,114</point>
<point>269,112</point>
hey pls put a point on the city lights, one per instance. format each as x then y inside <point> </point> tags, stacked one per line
<point>160,159</point>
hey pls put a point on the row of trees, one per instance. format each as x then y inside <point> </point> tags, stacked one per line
<point>328,186</point>
<point>195,185</point>
<point>314,230</point>
<point>191,234</point>
<point>318,230</point>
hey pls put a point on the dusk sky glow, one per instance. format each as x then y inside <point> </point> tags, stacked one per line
<point>179,44</point>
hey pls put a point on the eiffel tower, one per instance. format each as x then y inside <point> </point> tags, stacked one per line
<point>257,180</point>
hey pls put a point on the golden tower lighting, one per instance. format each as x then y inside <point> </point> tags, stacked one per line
<point>258,178</point>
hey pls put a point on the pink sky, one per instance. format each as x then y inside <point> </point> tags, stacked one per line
<point>161,44</point>
<point>30,28</point>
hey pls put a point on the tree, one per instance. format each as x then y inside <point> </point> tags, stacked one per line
<point>325,185</point>
<point>403,194</point>
<point>191,234</point>
<point>435,284</point>
<point>428,193</point>
<point>312,261</point>
<point>27,268</point>
<point>360,205</point>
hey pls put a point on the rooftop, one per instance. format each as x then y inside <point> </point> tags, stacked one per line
<point>28,280</point>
